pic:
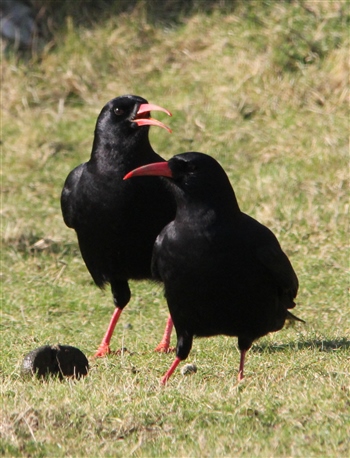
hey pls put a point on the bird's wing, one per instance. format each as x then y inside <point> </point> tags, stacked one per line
<point>155,256</point>
<point>279,266</point>
<point>69,193</point>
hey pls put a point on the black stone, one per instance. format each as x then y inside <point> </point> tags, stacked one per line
<point>55,360</point>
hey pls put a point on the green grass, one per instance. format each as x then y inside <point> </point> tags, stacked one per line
<point>264,89</point>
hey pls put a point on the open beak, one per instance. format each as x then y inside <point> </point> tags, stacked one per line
<point>158,168</point>
<point>144,121</point>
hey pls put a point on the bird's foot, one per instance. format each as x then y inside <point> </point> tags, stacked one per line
<point>103,350</point>
<point>164,348</point>
<point>171,369</point>
<point>240,376</point>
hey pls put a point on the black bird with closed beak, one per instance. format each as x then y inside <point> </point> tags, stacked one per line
<point>223,271</point>
<point>116,221</point>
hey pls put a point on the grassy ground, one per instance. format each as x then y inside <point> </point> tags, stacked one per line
<point>264,89</point>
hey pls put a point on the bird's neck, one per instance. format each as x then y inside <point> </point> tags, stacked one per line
<point>110,153</point>
<point>201,202</point>
<point>204,214</point>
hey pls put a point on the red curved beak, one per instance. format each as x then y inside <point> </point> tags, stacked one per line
<point>146,108</point>
<point>158,168</point>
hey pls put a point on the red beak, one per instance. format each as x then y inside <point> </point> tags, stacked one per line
<point>146,108</point>
<point>158,168</point>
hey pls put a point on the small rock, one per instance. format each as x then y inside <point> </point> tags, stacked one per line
<point>189,369</point>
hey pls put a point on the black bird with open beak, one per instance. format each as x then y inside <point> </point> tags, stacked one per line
<point>117,222</point>
<point>223,271</point>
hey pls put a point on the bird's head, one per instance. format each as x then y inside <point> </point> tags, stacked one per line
<point>128,112</point>
<point>195,177</point>
<point>186,170</point>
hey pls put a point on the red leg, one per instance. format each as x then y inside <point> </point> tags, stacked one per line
<point>104,349</point>
<point>163,345</point>
<point>170,370</point>
<point>241,365</point>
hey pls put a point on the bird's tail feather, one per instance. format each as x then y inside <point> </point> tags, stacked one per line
<point>292,317</point>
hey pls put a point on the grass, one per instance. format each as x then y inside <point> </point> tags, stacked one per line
<point>264,89</point>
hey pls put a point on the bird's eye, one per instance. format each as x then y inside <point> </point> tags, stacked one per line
<point>118,111</point>
<point>191,168</point>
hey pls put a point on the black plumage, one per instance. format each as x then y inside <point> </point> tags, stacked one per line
<point>223,271</point>
<point>116,221</point>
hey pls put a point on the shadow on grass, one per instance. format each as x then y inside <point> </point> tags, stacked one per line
<point>34,244</point>
<point>321,345</point>
<point>89,12</point>
<point>44,19</point>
